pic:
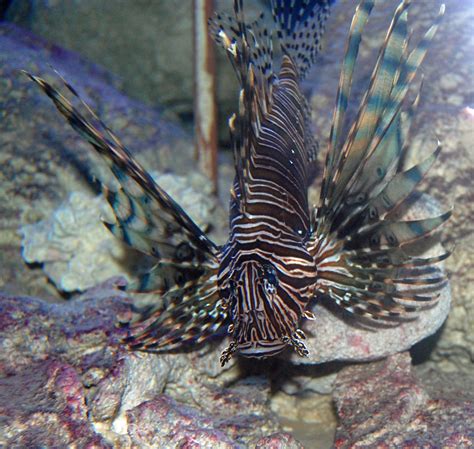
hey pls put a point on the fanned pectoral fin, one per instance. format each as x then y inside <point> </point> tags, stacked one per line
<point>401,186</point>
<point>369,262</point>
<point>140,205</point>
<point>188,312</point>
<point>394,234</point>
<point>183,282</point>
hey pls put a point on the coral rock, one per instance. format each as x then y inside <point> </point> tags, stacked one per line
<point>44,405</point>
<point>382,404</point>
<point>162,422</point>
<point>78,252</point>
<point>76,385</point>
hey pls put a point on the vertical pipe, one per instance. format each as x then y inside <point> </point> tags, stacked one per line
<point>205,115</point>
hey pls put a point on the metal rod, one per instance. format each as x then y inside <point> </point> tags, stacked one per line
<point>205,114</point>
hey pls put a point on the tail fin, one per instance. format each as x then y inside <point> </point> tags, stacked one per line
<point>368,261</point>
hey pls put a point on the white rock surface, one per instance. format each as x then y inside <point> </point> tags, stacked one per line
<point>78,252</point>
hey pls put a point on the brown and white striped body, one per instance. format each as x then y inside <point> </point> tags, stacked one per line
<point>266,278</point>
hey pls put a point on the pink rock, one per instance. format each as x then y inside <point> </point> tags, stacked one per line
<point>162,422</point>
<point>69,357</point>
<point>382,404</point>
<point>279,440</point>
<point>44,406</point>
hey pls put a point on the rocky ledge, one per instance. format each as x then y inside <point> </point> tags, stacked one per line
<point>384,405</point>
<point>66,381</point>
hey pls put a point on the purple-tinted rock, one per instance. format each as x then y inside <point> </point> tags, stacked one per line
<point>44,405</point>
<point>383,405</point>
<point>279,440</point>
<point>82,332</point>
<point>237,418</point>
<point>162,422</point>
<point>107,395</point>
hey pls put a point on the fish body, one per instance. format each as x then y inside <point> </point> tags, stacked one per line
<point>281,253</point>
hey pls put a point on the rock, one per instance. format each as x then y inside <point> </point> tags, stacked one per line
<point>451,181</point>
<point>43,405</point>
<point>278,441</point>
<point>77,251</point>
<point>164,423</point>
<point>382,404</point>
<point>33,330</point>
<point>78,374</point>
<point>445,385</point>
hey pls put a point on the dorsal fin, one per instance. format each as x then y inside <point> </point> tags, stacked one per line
<point>287,145</point>
<point>276,166</point>
<point>300,26</point>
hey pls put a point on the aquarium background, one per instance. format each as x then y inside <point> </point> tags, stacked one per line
<point>132,61</point>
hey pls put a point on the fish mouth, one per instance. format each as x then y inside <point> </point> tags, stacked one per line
<point>262,348</point>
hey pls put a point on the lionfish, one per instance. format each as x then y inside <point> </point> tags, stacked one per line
<point>281,253</point>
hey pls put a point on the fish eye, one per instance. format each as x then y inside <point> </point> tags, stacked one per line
<point>270,278</point>
<point>229,292</point>
<point>232,287</point>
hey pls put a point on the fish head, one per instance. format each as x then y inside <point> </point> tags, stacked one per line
<point>266,304</point>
